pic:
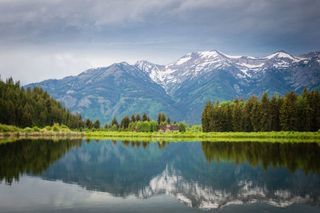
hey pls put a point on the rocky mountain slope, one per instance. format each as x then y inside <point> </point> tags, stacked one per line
<point>181,88</point>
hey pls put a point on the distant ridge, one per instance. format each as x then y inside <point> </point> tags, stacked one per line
<point>181,88</point>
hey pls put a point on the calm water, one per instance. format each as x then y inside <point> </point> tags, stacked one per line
<point>110,176</point>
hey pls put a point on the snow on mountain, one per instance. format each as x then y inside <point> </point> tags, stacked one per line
<point>185,68</point>
<point>184,59</point>
<point>280,54</point>
<point>194,64</point>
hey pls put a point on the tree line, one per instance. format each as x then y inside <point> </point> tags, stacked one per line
<point>291,112</point>
<point>33,107</point>
<point>143,123</point>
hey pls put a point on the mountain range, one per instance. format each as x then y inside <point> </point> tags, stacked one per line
<point>181,88</point>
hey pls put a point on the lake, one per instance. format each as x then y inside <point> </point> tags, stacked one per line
<point>126,176</point>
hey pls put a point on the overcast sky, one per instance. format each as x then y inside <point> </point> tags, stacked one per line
<point>41,39</point>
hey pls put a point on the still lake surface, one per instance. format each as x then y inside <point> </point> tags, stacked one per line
<point>122,176</point>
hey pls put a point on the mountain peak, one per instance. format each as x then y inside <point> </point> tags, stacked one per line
<point>280,54</point>
<point>202,55</point>
<point>209,53</point>
<point>143,63</point>
<point>121,64</point>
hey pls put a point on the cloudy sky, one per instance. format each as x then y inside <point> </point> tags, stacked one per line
<point>41,39</point>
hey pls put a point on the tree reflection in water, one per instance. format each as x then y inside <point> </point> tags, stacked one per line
<point>31,157</point>
<point>294,156</point>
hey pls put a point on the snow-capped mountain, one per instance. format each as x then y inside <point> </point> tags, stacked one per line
<point>187,67</point>
<point>196,64</point>
<point>182,87</point>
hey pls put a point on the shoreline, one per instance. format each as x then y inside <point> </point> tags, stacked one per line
<point>272,137</point>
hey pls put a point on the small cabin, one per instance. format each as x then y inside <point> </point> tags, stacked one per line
<point>168,128</point>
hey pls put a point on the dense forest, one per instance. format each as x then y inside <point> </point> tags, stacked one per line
<point>32,107</point>
<point>291,112</point>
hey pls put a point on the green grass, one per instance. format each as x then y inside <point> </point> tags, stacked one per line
<point>56,130</point>
<point>212,136</point>
<point>301,135</point>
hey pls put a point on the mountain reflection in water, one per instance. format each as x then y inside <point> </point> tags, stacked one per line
<point>202,175</point>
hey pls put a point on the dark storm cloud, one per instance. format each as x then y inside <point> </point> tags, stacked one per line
<point>154,28</point>
<point>285,23</point>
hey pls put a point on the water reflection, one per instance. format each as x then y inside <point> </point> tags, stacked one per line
<point>293,156</point>
<point>30,157</point>
<point>202,175</point>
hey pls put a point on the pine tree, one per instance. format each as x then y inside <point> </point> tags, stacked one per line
<point>125,122</point>
<point>288,113</point>
<point>138,118</point>
<point>247,114</point>
<point>161,118</point>
<point>265,113</point>
<point>96,124</point>
<point>256,117</point>
<point>133,118</point>
<point>236,116</point>
<point>275,105</point>
<point>205,118</point>
<point>114,122</point>
<point>89,124</point>
<point>145,117</point>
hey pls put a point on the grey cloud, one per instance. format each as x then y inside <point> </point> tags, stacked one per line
<point>85,20</point>
<point>155,29</point>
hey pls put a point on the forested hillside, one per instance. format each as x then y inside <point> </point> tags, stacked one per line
<point>291,112</point>
<point>32,107</point>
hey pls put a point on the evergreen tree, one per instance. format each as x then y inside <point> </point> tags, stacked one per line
<point>161,118</point>
<point>114,122</point>
<point>236,116</point>
<point>247,114</point>
<point>275,105</point>
<point>265,113</point>
<point>125,122</point>
<point>205,118</point>
<point>89,124</point>
<point>138,118</point>
<point>288,113</point>
<point>96,124</point>
<point>145,117</point>
<point>133,118</point>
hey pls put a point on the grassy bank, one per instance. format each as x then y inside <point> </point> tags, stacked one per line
<point>64,132</point>
<point>212,136</point>
<point>8,131</point>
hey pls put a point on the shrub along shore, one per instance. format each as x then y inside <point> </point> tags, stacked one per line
<point>47,131</point>
<point>62,131</point>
